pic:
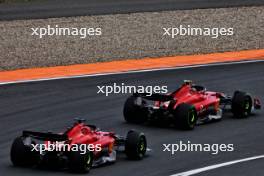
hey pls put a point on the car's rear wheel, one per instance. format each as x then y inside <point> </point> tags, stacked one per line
<point>241,104</point>
<point>185,116</point>
<point>135,145</point>
<point>80,162</point>
<point>132,112</point>
<point>22,155</point>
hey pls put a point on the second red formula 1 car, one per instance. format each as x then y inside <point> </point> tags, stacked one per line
<point>187,106</point>
<point>79,148</point>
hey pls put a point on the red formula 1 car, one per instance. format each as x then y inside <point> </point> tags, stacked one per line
<point>187,106</point>
<point>79,148</point>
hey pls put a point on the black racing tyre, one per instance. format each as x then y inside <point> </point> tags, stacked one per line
<point>79,162</point>
<point>135,145</point>
<point>241,104</point>
<point>21,154</point>
<point>185,116</point>
<point>132,112</point>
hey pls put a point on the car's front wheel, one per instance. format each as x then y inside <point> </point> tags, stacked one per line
<point>80,162</point>
<point>185,116</point>
<point>135,145</point>
<point>241,104</point>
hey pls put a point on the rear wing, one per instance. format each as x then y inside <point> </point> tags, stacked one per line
<point>154,97</point>
<point>45,136</point>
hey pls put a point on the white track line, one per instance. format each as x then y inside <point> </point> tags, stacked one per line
<point>207,168</point>
<point>133,71</point>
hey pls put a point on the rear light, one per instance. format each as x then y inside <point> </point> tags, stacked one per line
<point>257,104</point>
<point>164,104</point>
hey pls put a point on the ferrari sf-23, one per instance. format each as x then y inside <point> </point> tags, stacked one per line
<point>22,154</point>
<point>187,106</point>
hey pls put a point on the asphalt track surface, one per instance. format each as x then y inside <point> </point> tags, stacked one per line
<point>65,8</point>
<point>52,105</point>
